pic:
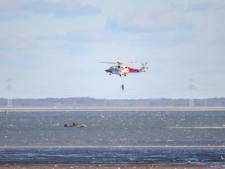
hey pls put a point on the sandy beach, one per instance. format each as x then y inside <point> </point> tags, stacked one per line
<point>147,166</point>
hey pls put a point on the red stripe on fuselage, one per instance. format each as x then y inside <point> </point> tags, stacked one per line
<point>133,70</point>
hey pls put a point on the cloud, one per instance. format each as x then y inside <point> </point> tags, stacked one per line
<point>70,37</point>
<point>205,5</point>
<point>9,5</point>
<point>17,41</point>
<point>219,41</point>
<point>147,23</point>
<point>199,6</point>
<point>62,8</point>
<point>68,8</point>
<point>173,15</point>
<point>11,10</point>
<point>165,39</point>
<point>75,43</point>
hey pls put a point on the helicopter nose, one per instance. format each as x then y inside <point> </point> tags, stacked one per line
<point>108,71</point>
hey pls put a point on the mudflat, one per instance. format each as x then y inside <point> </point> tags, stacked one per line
<point>69,166</point>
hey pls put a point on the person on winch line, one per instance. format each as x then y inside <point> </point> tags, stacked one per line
<point>122,86</point>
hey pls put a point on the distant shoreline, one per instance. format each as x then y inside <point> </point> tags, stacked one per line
<point>112,108</point>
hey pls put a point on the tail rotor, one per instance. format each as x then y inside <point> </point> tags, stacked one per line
<point>144,66</point>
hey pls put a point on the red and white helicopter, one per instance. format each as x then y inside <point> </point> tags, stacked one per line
<point>122,69</point>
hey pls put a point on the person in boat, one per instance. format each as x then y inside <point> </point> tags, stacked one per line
<point>66,125</point>
<point>79,125</point>
<point>75,124</point>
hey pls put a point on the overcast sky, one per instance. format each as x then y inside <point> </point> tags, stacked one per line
<point>52,48</point>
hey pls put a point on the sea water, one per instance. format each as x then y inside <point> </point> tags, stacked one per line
<point>113,137</point>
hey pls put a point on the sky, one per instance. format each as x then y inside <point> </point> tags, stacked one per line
<point>52,48</point>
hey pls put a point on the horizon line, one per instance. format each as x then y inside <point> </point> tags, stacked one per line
<point>96,98</point>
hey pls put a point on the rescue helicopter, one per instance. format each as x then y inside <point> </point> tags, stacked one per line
<point>121,69</point>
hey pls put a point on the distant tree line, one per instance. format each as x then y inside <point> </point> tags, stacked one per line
<point>86,101</point>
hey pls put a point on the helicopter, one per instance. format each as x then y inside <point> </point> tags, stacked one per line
<point>121,69</point>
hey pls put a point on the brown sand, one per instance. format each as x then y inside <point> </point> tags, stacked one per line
<point>62,166</point>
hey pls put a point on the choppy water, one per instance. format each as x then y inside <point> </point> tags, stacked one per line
<point>113,137</point>
<point>202,156</point>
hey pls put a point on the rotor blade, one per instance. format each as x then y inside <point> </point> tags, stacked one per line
<point>109,62</point>
<point>120,63</point>
<point>132,62</point>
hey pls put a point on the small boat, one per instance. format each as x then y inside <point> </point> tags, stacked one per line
<point>77,125</point>
<point>81,125</point>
